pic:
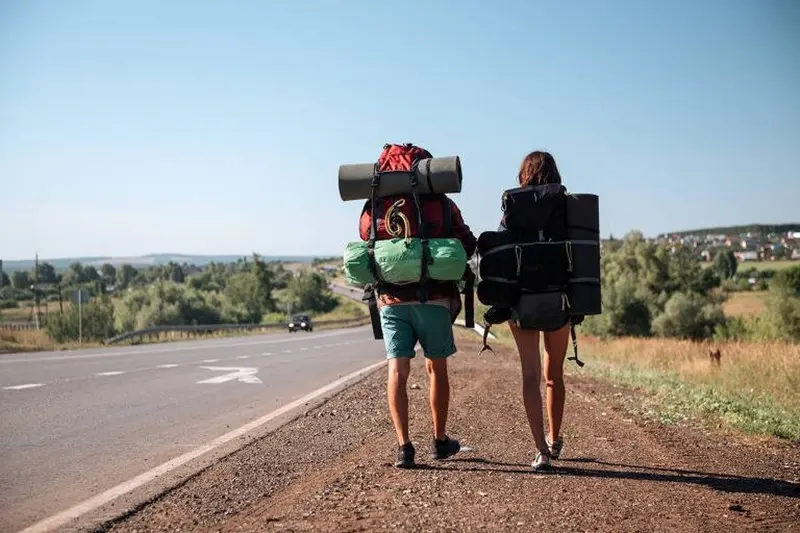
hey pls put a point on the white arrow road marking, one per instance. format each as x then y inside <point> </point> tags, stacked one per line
<point>209,360</point>
<point>243,374</point>
<point>242,357</point>
<point>112,373</point>
<point>168,365</point>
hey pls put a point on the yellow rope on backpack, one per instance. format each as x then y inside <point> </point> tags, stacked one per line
<point>396,230</point>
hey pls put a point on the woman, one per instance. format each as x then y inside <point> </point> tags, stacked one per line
<point>539,168</point>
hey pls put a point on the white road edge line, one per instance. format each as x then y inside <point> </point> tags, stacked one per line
<point>26,386</point>
<point>94,502</point>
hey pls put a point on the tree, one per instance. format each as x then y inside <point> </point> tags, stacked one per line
<point>125,276</point>
<point>174,272</point>
<point>74,275</point>
<point>90,274</point>
<point>20,280</point>
<point>725,264</point>
<point>788,281</point>
<point>309,291</point>
<point>4,280</point>
<point>47,274</point>
<point>243,292</point>
<point>108,273</point>
<point>264,281</point>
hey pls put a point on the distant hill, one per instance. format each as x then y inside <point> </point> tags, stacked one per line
<point>763,229</point>
<point>149,260</point>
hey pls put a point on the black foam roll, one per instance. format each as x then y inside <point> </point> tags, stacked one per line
<point>585,261</point>
<point>585,298</point>
<point>583,212</point>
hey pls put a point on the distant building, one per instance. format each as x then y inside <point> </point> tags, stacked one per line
<point>749,255</point>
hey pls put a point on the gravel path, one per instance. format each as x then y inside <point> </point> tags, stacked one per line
<point>330,470</point>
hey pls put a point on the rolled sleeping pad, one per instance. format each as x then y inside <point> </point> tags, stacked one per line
<point>583,217</point>
<point>583,229</point>
<point>438,175</point>
<point>585,298</point>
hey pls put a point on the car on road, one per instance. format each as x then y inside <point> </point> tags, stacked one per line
<point>300,322</point>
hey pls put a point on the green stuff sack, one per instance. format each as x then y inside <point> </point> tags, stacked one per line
<point>400,262</point>
<point>449,259</point>
<point>356,264</point>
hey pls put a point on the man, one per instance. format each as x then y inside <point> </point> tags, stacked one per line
<point>405,320</point>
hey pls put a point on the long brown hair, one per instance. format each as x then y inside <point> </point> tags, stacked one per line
<point>538,168</point>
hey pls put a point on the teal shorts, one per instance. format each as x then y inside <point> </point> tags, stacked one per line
<point>404,325</point>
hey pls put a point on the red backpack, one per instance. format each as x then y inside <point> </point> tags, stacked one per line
<point>409,215</point>
<point>433,212</point>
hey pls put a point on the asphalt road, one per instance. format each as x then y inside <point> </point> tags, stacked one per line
<point>77,423</point>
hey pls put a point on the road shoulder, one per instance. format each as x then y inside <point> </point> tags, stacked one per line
<point>330,469</point>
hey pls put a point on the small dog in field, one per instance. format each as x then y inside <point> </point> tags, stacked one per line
<point>715,356</point>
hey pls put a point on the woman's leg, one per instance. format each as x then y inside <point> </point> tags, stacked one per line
<point>555,345</point>
<point>528,346</point>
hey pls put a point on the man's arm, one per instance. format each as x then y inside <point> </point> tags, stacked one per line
<point>461,231</point>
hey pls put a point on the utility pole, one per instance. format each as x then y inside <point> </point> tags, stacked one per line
<point>80,317</point>
<point>36,290</point>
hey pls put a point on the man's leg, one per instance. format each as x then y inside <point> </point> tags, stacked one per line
<point>399,338</point>
<point>439,395</point>
<point>435,331</point>
<point>399,369</point>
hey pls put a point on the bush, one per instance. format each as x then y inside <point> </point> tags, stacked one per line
<point>8,304</point>
<point>169,304</point>
<point>688,316</point>
<point>624,314</point>
<point>97,323</point>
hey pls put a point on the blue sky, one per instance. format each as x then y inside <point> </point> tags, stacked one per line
<point>132,127</point>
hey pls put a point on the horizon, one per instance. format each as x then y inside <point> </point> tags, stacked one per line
<point>214,135</point>
<point>118,258</point>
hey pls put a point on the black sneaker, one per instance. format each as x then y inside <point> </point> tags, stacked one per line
<point>442,449</point>
<point>405,456</point>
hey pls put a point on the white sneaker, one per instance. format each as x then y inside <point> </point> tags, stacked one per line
<point>542,462</point>
<point>556,447</point>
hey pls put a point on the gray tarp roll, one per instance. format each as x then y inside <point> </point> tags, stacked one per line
<point>443,174</point>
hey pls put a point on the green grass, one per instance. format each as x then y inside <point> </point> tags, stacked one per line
<point>672,400</point>
<point>345,308</point>
<point>760,265</point>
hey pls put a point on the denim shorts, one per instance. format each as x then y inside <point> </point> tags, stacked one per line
<point>430,324</point>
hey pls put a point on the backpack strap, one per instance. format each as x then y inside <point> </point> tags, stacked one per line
<point>469,298</point>
<point>373,225</point>
<point>422,292</point>
<point>574,345</point>
<point>447,216</point>
<point>374,313</point>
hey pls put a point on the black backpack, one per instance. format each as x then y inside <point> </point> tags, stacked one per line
<point>525,267</point>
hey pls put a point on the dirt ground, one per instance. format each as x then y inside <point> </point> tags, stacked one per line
<point>330,470</point>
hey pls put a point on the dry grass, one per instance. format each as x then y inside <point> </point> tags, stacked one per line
<point>32,341</point>
<point>745,303</point>
<point>24,313</point>
<point>763,368</point>
<point>755,389</point>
